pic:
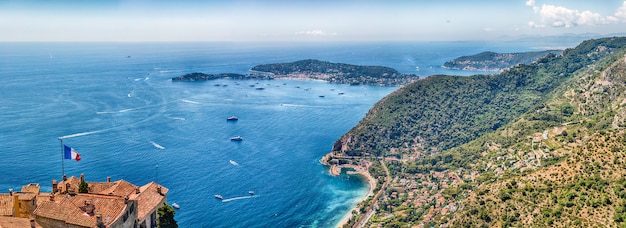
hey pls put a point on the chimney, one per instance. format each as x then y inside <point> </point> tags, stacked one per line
<point>82,177</point>
<point>32,223</point>
<point>54,186</point>
<point>137,191</point>
<point>159,190</point>
<point>99,221</point>
<point>89,208</point>
<point>108,179</point>
<point>67,187</point>
<point>16,205</point>
<point>125,199</point>
<point>64,177</point>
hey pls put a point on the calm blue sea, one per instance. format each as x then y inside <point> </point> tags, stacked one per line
<point>117,107</point>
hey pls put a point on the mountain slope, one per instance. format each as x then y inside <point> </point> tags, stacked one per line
<point>537,145</point>
<point>491,61</point>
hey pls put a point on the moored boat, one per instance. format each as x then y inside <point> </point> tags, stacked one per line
<point>175,205</point>
<point>219,197</point>
<point>236,138</point>
<point>232,118</point>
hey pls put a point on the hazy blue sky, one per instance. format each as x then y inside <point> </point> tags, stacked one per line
<point>300,20</point>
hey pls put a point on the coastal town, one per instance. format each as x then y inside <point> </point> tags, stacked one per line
<point>75,202</point>
<point>423,197</point>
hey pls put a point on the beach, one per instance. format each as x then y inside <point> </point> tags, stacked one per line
<point>361,170</point>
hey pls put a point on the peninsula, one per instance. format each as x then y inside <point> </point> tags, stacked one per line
<point>312,69</point>
<point>492,61</point>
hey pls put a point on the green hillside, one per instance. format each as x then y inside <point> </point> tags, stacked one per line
<point>491,61</point>
<point>538,145</point>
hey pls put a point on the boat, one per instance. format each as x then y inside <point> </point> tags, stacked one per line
<point>233,162</point>
<point>260,88</point>
<point>232,118</point>
<point>321,96</point>
<point>175,205</point>
<point>236,138</point>
<point>340,93</point>
<point>251,192</point>
<point>219,197</point>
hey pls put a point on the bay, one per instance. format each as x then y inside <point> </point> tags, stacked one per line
<point>114,103</point>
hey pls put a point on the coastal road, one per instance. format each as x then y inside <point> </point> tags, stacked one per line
<point>370,209</point>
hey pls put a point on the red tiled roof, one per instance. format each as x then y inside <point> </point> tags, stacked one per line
<point>71,209</point>
<point>73,181</point>
<point>121,188</point>
<point>97,187</point>
<point>6,205</point>
<point>149,199</point>
<point>15,222</point>
<point>26,196</point>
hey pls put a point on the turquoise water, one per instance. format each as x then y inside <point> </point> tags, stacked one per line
<point>115,105</point>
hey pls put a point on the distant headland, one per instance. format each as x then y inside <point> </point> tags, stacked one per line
<point>491,61</point>
<point>312,69</point>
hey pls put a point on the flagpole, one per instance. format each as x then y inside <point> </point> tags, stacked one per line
<point>62,157</point>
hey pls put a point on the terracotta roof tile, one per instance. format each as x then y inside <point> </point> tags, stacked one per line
<point>72,210</point>
<point>121,188</point>
<point>26,196</point>
<point>73,181</point>
<point>97,187</point>
<point>149,199</point>
<point>9,222</point>
<point>6,205</point>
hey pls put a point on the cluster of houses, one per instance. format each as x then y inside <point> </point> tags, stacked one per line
<point>104,204</point>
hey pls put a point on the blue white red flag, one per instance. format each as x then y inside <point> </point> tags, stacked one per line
<point>70,153</point>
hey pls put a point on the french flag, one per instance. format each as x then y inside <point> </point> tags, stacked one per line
<point>70,153</point>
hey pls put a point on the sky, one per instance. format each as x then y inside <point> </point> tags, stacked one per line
<point>303,20</point>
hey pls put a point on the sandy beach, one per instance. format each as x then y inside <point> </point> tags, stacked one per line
<point>362,171</point>
<point>335,170</point>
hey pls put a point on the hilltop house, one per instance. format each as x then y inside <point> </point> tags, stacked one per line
<point>105,204</point>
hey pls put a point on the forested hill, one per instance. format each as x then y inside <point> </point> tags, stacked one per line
<point>337,72</point>
<point>491,61</point>
<point>441,112</point>
<point>317,70</point>
<point>538,145</point>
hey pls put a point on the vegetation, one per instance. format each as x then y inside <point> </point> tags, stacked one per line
<point>491,61</point>
<point>166,217</point>
<point>319,70</point>
<point>538,145</point>
<point>83,187</point>
<point>197,76</point>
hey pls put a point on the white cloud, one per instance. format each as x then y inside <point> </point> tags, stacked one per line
<point>620,13</point>
<point>315,32</point>
<point>559,16</point>
<point>487,29</point>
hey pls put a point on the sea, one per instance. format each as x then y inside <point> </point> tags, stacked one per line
<point>115,104</point>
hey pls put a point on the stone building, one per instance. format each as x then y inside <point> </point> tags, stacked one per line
<point>105,204</point>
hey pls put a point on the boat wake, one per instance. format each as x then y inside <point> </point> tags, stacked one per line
<point>157,145</point>
<point>192,102</point>
<point>238,198</point>
<point>81,134</point>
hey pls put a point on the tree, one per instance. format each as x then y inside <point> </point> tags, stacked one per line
<point>166,217</point>
<point>83,187</point>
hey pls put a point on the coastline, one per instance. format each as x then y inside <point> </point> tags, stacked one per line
<point>335,170</point>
